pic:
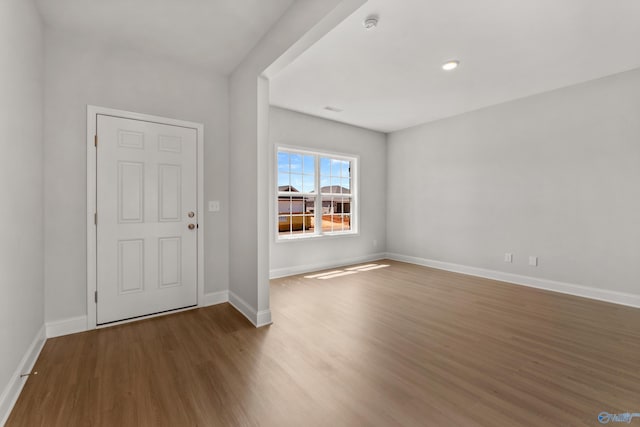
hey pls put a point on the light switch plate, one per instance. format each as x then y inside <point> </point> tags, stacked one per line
<point>533,260</point>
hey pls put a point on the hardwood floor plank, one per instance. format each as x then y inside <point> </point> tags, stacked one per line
<point>398,345</point>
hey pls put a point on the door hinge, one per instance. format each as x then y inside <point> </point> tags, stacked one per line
<point>95,140</point>
<point>95,218</point>
<point>95,296</point>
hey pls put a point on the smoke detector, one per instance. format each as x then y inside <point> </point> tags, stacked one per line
<point>371,22</point>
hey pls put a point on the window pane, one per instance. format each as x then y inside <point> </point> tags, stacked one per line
<point>283,162</point>
<point>345,184</point>
<point>325,181</point>
<point>284,205</point>
<point>327,224</point>
<point>327,214</point>
<point>297,205</point>
<point>343,204</point>
<point>309,166</point>
<point>335,185</point>
<point>296,162</point>
<point>296,183</point>
<point>327,205</point>
<point>325,166</point>
<point>300,223</point>
<point>336,166</point>
<point>284,224</point>
<point>308,226</point>
<point>346,168</point>
<point>308,218</point>
<point>308,184</point>
<point>283,181</point>
<point>346,222</point>
<point>309,205</point>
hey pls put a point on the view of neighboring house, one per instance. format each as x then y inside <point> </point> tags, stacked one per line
<point>336,205</point>
<point>296,211</point>
<point>294,204</point>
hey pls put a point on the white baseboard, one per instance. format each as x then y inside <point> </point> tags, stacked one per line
<point>68,326</point>
<point>214,298</point>
<point>308,268</point>
<point>79,324</point>
<point>263,318</point>
<point>11,392</point>
<point>622,298</point>
<point>258,318</point>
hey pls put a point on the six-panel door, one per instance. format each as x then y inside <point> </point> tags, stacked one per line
<point>146,200</point>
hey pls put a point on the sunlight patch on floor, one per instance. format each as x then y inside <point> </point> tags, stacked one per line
<point>331,276</point>
<point>347,271</point>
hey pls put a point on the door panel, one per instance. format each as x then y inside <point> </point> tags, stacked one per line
<point>170,261</point>
<point>146,188</point>
<point>130,192</point>
<point>169,190</point>
<point>130,266</point>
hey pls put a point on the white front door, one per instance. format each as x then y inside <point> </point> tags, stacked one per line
<point>146,218</point>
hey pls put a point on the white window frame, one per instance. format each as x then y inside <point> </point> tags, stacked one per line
<point>355,202</point>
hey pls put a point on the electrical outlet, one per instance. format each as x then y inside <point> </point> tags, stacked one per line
<point>508,257</point>
<point>214,205</point>
<point>533,261</point>
<point>375,243</point>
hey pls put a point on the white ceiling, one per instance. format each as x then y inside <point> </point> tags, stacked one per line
<point>389,78</point>
<point>212,33</point>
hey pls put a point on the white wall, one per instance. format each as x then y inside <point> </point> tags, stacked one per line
<point>78,73</point>
<point>555,175</point>
<point>21,184</point>
<point>300,26</point>
<point>297,129</point>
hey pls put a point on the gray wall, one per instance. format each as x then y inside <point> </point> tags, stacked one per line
<point>78,73</point>
<point>21,185</point>
<point>297,129</point>
<point>555,175</point>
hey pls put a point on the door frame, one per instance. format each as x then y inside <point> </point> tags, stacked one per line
<point>92,277</point>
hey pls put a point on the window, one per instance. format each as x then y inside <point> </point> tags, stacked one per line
<point>315,194</point>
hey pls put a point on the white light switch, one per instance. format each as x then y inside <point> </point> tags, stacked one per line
<point>533,260</point>
<point>214,205</point>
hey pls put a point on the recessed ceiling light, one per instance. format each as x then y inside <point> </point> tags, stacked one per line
<point>450,65</point>
<point>333,109</point>
<point>371,22</point>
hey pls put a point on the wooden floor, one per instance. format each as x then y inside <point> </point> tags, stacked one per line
<point>397,346</point>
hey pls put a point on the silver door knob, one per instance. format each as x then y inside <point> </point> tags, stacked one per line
<point>191,226</point>
<point>191,214</point>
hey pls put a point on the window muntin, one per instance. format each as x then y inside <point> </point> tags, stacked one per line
<point>300,174</point>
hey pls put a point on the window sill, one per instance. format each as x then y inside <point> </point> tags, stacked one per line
<point>308,237</point>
